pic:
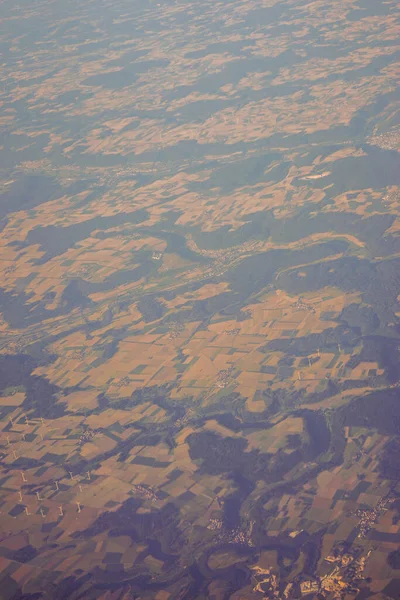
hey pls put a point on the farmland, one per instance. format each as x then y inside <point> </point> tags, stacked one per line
<point>199,300</point>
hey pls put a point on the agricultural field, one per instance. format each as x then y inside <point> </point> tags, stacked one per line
<point>199,300</point>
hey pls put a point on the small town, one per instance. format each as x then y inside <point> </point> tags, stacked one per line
<point>301,305</point>
<point>224,377</point>
<point>387,141</point>
<point>175,329</point>
<point>236,536</point>
<point>215,524</point>
<point>147,492</point>
<point>88,435</point>
<point>369,516</point>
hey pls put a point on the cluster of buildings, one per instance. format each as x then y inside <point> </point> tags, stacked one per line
<point>147,492</point>
<point>387,141</point>
<point>236,536</point>
<point>78,354</point>
<point>216,269</point>
<point>87,270</point>
<point>232,331</point>
<point>176,329</point>
<point>122,382</point>
<point>88,435</point>
<point>369,516</point>
<point>182,421</point>
<point>222,259</point>
<point>224,377</point>
<point>214,524</point>
<point>392,196</point>
<point>12,347</point>
<point>301,305</point>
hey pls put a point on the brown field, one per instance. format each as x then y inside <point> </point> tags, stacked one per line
<point>221,560</point>
<point>113,282</point>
